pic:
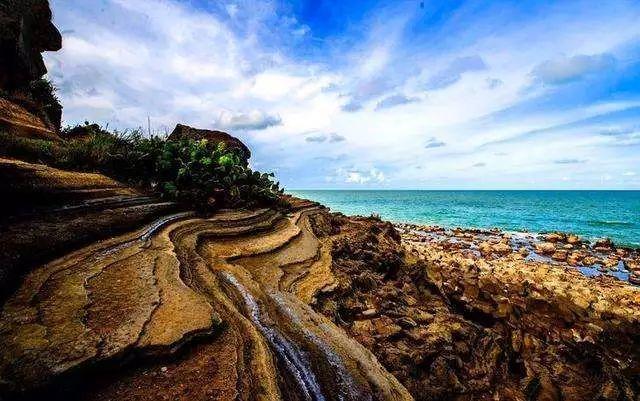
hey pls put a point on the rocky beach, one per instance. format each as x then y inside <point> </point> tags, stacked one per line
<point>149,268</point>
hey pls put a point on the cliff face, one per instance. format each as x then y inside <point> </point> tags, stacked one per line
<point>26,31</point>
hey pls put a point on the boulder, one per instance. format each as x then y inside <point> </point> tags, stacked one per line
<point>30,107</point>
<point>555,237</point>
<point>573,239</point>
<point>26,31</point>
<point>185,132</point>
<point>545,248</point>
<point>603,245</point>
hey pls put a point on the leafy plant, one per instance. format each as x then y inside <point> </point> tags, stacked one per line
<point>203,174</point>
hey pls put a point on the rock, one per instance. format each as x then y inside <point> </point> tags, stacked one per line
<point>555,237</point>
<point>485,248</point>
<point>589,261</point>
<point>574,258</point>
<point>384,327</point>
<point>17,120</point>
<point>603,245</point>
<point>573,239</point>
<point>545,248</point>
<point>634,278</point>
<point>185,132</point>
<point>26,31</point>
<point>406,322</point>
<point>369,312</point>
<point>501,248</point>
<point>523,251</point>
<point>28,107</point>
<point>559,255</point>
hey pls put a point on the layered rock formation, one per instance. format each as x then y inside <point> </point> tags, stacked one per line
<point>185,307</point>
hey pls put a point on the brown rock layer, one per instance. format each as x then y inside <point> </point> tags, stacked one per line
<point>187,308</point>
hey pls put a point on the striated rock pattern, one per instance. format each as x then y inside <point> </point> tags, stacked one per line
<point>17,120</point>
<point>48,211</point>
<point>191,308</point>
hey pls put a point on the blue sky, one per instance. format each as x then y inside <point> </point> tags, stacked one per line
<point>369,94</point>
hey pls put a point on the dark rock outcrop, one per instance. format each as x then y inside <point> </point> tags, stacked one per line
<point>184,131</point>
<point>30,107</point>
<point>26,31</point>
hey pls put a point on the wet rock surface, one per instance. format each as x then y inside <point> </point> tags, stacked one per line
<point>458,322</point>
<point>185,307</point>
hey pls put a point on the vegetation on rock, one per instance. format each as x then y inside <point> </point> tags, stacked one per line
<point>204,174</point>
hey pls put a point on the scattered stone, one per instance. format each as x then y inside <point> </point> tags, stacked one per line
<point>369,312</point>
<point>555,237</point>
<point>385,327</point>
<point>545,248</point>
<point>559,255</point>
<point>573,239</point>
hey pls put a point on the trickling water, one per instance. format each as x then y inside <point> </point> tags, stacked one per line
<point>345,383</point>
<point>293,359</point>
<point>149,231</point>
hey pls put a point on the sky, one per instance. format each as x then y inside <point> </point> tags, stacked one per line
<point>404,94</point>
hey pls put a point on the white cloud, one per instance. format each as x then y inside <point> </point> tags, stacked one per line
<point>364,177</point>
<point>391,99</point>
<point>253,120</point>
<point>566,69</point>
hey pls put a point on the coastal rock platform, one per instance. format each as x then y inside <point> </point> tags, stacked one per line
<point>121,296</point>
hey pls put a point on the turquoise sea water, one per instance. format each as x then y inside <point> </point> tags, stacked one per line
<point>592,214</point>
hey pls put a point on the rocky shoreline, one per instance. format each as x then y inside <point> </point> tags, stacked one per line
<point>463,315</point>
<point>591,258</point>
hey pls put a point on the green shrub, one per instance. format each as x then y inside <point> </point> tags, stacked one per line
<point>202,174</point>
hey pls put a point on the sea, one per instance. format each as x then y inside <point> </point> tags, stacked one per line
<point>590,214</point>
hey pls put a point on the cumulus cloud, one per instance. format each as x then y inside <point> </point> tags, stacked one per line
<point>316,138</point>
<point>493,83</point>
<point>567,69</point>
<point>433,142</point>
<point>395,100</point>
<point>570,161</point>
<point>319,138</point>
<point>352,106</point>
<point>257,65</point>
<point>453,73</point>
<point>363,177</point>
<point>253,120</point>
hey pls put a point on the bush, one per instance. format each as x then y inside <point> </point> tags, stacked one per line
<point>203,174</point>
